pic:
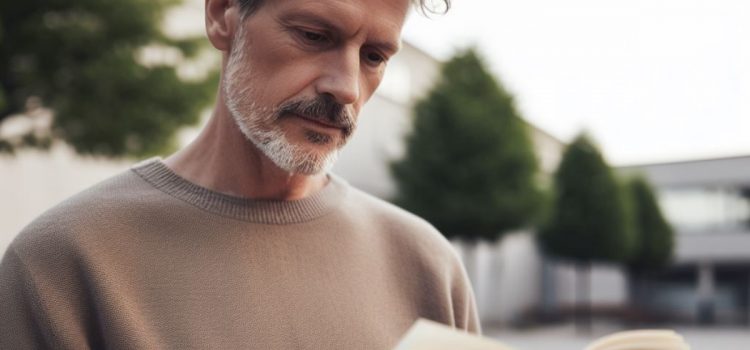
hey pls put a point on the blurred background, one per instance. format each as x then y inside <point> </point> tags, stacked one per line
<point>589,160</point>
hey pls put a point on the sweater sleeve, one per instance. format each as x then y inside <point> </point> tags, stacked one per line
<point>21,321</point>
<point>465,307</point>
<point>472,316</point>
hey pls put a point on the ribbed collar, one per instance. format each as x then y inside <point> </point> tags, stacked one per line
<point>279,212</point>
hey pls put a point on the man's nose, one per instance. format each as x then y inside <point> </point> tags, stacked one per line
<point>340,77</point>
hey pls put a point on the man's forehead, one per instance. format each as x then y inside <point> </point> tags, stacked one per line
<point>382,20</point>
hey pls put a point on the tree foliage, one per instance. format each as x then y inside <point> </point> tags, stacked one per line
<point>81,60</point>
<point>469,166</point>
<point>655,237</point>
<point>590,219</point>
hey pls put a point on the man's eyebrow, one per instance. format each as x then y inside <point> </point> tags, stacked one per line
<point>310,18</point>
<point>389,47</point>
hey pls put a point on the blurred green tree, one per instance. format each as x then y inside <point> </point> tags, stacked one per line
<point>83,60</point>
<point>590,219</point>
<point>469,167</point>
<point>654,239</point>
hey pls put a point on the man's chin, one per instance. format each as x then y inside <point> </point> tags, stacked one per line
<point>307,159</point>
<point>313,166</point>
<point>298,153</point>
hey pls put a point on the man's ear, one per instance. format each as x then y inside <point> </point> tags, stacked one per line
<point>221,20</point>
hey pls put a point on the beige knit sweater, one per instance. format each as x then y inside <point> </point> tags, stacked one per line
<point>148,260</point>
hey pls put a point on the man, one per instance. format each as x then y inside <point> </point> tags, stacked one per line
<point>242,239</point>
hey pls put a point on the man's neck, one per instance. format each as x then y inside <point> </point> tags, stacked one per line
<point>223,160</point>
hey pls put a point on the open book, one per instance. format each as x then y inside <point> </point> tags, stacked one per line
<point>428,335</point>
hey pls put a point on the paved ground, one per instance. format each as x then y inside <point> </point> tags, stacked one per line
<point>565,338</point>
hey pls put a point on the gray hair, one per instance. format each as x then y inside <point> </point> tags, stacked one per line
<point>247,7</point>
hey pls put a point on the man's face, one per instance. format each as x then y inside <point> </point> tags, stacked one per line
<point>300,70</point>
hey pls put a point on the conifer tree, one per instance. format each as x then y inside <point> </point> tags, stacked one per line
<point>469,167</point>
<point>655,239</point>
<point>590,218</point>
<point>80,59</point>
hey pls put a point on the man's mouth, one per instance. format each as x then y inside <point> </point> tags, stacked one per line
<point>320,121</point>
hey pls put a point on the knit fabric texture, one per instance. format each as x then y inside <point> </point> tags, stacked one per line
<point>149,260</point>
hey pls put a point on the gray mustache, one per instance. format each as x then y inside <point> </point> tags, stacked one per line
<point>323,108</point>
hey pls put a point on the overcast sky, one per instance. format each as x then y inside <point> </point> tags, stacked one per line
<point>651,80</point>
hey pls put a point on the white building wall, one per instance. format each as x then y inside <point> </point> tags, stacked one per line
<point>723,248</point>
<point>548,150</point>
<point>379,138</point>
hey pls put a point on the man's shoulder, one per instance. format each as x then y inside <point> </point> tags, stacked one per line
<point>84,214</point>
<point>387,212</point>
<point>400,226</point>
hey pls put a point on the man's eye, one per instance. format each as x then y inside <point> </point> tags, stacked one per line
<point>375,58</point>
<point>314,37</point>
